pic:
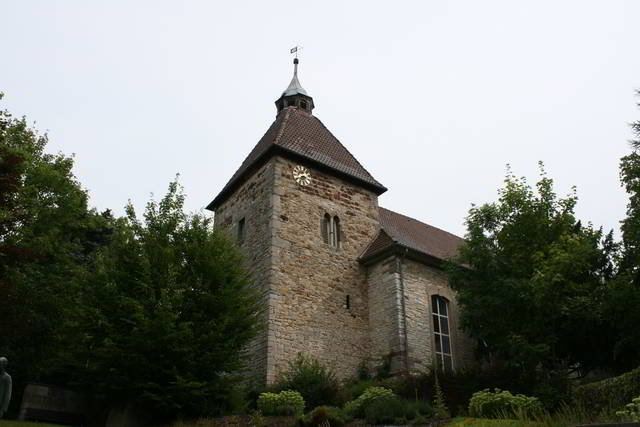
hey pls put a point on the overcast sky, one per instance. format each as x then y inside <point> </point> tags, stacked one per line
<point>434,98</point>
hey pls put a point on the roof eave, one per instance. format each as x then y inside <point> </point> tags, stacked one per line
<point>402,250</point>
<point>276,149</point>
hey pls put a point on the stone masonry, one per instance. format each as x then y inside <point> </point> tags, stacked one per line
<point>363,302</point>
<point>253,201</point>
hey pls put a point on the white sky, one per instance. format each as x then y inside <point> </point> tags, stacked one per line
<point>434,98</point>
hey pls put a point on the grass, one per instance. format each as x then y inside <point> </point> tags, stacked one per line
<point>25,424</point>
<point>479,422</point>
<point>565,416</point>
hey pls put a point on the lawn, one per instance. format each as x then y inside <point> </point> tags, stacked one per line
<point>25,424</point>
<point>479,422</point>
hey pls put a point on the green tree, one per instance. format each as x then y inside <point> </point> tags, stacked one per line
<point>531,280</point>
<point>624,297</point>
<point>48,237</point>
<point>168,313</point>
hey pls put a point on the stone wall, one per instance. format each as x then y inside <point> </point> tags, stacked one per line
<point>421,282</point>
<point>306,281</point>
<point>253,201</point>
<point>386,323</point>
<point>311,280</point>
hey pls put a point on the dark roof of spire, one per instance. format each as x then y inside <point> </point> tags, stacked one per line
<point>403,231</point>
<point>294,88</point>
<point>298,134</point>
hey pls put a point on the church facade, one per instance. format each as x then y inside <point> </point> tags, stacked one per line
<point>344,280</point>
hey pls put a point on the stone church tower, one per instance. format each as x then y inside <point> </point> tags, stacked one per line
<point>344,280</point>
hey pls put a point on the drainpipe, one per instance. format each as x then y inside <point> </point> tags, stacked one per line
<point>404,311</point>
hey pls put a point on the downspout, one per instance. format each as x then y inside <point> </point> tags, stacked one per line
<point>404,311</point>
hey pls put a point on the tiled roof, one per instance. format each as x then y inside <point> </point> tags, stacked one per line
<point>397,229</point>
<point>302,134</point>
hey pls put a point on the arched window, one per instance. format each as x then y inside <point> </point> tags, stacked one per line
<point>335,242</point>
<point>330,230</point>
<point>324,228</point>
<point>441,331</point>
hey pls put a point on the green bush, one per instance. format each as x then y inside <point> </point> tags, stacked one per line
<point>354,389</point>
<point>612,393</point>
<point>284,403</point>
<point>323,416</point>
<point>457,387</point>
<point>487,404</point>
<point>395,410</point>
<point>356,408</point>
<point>317,383</point>
<point>631,411</point>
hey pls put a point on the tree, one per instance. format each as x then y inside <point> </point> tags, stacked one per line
<point>168,313</point>
<point>624,297</point>
<point>531,280</point>
<point>47,239</point>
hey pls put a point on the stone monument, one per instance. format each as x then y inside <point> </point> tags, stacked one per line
<point>5,387</point>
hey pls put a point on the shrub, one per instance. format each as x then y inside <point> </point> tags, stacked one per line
<point>283,403</point>
<point>356,408</point>
<point>439,406</point>
<point>317,383</point>
<point>631,411</point>
<point>457,387</point>
<point>355,389</point>
<point>610,393</point>
<point>487,404</point>
<point>325,416</point>
<point>395,410</point>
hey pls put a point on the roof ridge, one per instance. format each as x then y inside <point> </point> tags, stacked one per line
<point>421,222</point>
<point>345,147</point>
<point>282,126</point>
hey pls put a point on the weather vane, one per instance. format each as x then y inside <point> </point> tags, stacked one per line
<point>295,50</point>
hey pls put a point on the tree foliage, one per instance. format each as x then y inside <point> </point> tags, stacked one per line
<point>624,298</point>
<point>531,279</point>
<point>156,310</point>
<point>167,313</point>
<point>48,237</point>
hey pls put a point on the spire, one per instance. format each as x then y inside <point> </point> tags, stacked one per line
<point>295,87</point>
<point>295,95</point>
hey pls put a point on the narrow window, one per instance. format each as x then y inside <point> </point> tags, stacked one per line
<point>324,228</point>
<point>347,302</point>
<point>330,229</point>
<point>441,334</point>
<point>303,104</point>
<point>241,231</point>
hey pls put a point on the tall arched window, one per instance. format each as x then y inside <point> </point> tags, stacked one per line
<point>441,331</point>
<point>330,230</point>
<point>335,241</point>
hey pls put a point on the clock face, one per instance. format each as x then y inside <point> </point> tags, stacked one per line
<point>302,175</point>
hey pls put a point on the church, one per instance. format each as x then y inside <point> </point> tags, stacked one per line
<point>344,280</point>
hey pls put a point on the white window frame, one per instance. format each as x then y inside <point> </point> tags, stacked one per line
<point>442,331</point>
<point>332,224</point>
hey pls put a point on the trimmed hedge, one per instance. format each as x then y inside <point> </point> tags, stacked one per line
<point>612,393</point>
<point>499,403</point>
<point>284,403</point>
<point>356,408</point>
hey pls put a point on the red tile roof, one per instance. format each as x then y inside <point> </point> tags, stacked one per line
<point>397,229</point>
<point>298,133</point>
